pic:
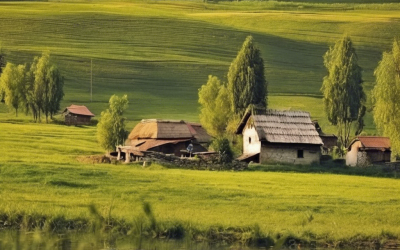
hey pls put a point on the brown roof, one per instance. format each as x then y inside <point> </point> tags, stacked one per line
<point>373,142</point>
<point>148,144</point>
<point>199,133</point>
<point>279,126</point>
<point>78,110</point>
<point>168,129</point>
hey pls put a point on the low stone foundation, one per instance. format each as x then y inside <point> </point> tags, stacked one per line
<point>204,162</point>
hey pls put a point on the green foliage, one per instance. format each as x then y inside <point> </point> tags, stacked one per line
<point>342,90</point>
<point>47,86</point>
<point>386,96</point>
<point>111,127</point>
<point>223,147</point>
<point>12,82</point>
<point>38,90</point>
<point>246,80</point>
<point>215,106</point>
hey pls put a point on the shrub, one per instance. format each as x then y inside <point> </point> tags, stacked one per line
<point>223,147</point>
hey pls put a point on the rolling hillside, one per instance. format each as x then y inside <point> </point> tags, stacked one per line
<point>160,53</point>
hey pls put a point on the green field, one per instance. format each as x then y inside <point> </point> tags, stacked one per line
<point>40,176</point>
<point>161,52</point>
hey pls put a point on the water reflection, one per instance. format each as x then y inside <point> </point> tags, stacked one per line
<point>20,240</point>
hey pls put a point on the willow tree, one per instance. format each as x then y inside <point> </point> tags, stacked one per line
<point>246,80</point>
<point>111,127</point>
<point>342,90</point>
<point>386,96</point>
<point>215,108</point>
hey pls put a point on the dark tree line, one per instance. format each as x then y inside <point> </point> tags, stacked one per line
<point>35,88</point>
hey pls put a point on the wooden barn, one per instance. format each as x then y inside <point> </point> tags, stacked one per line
<point>168,136</point>
<point>272,136</point>
<point>367,150</point>
<point>329,140</point>
<point>77,115</point>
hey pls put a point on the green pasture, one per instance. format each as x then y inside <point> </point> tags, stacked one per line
<point>41,176</point>
<point>161,52</point>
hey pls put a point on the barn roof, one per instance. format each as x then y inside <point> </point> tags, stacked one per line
<point>79,110</point>
<point>147,144</point>
<point>167,130</point>
<point>282,126</point>
<point>373,142</point>
<point>199,133</point>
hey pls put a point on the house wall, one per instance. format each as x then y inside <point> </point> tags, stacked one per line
<point>71,119</point>
<point>352,155</point>
<point>288,153</point>
<point>251,142</point>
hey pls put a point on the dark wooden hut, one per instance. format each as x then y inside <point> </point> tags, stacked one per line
<point>77,115</point>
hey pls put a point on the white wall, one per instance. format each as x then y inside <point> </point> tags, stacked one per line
<point>254,146</point>
<point>351,156</point>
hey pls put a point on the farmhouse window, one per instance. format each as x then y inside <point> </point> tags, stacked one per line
<point>249,140</point>
<point>300,153</point>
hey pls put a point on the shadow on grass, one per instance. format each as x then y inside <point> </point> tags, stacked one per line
<point>330,167</point>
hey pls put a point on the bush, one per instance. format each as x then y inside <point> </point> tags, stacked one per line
<point>223,147</point>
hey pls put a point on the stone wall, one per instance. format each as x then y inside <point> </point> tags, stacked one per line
<point>204,162</point>
<point>286,153</point>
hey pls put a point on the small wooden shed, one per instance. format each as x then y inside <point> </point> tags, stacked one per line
<point>77,115</point>
<point>329,140</point>
<point>367,150</point>
<point>274,136</point>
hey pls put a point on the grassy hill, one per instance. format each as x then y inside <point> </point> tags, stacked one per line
<point>161,52</point>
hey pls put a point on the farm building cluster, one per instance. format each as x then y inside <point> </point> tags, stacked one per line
<point>269,136</point>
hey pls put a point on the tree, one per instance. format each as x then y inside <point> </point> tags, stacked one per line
<point>246,80</point>
<point>386,96</point>
<point>223,147</point>
<point>215,106</point>
<point>47,87</point>
<point>342,90</point>
<point>111,127</point>
<point>12,82</point>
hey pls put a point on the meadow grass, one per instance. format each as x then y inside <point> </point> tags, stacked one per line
<point>161,52</point>
<point>41,179</point>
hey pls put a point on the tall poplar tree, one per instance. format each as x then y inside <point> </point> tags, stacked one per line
<point>246,80</point>
<point>386,96</point>
<point>48,86</point>
<point>342,90</point>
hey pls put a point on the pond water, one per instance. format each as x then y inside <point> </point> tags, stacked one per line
<point>38,240</point>
<point>21,240</point>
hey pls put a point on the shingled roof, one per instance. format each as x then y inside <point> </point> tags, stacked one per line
<point>78,110</point>
<point>282,126</point>
<point>373,142</point>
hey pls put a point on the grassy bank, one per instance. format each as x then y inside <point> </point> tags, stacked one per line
<point>161,52</point>
<point>44,185</point>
